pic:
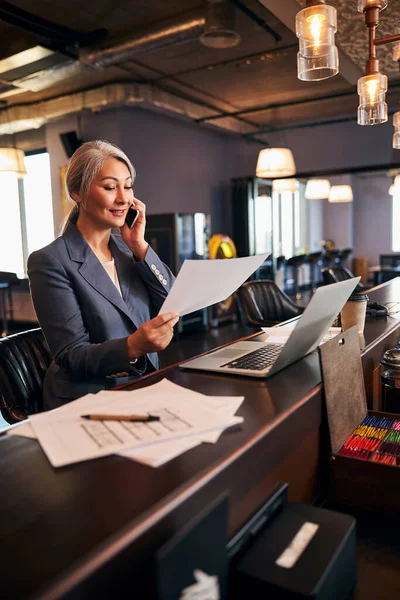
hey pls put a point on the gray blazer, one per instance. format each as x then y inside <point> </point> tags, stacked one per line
<point>85,320</point>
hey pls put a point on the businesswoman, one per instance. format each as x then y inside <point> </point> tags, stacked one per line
<point>96,294</point>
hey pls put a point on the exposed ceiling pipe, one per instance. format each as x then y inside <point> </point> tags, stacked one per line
<point>23,117</point>
<point>158,38</point>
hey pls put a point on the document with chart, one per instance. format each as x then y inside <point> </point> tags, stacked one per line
<point>67,438</point>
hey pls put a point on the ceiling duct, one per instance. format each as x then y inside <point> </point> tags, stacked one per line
<point>157,38</point>
<point>219,31</point>
<point>19,118</point>
<point>40,76</point>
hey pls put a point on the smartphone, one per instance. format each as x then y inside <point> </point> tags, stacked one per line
<point>131,217</point>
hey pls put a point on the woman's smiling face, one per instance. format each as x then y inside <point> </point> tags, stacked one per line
<point>109,196</point>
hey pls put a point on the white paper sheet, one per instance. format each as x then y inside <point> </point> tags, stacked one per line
<point>67,438</point>
<point>23,429</point>
<point>158,454</point>
<point>201,283</point>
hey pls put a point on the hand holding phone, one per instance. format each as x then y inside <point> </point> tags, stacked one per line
<point>131,217</point>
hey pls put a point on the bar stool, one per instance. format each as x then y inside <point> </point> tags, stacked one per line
<point>315,261</point>
<point>344,255</point>
<point>294,263</point>
<point>331,258</point>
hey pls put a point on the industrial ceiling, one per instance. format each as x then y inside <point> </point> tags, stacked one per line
<point>57,57</point>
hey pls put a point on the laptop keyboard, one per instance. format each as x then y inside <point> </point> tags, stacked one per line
<point>258,359</point>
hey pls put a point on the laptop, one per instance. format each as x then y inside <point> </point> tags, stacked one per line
<point>263,359</point>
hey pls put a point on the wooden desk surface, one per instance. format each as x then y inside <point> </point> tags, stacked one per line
<point>90,529</point>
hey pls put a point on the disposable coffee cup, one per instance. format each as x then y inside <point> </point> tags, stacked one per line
<point>354,311</point>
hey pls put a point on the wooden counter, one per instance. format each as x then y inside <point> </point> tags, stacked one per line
<point>90,530</point>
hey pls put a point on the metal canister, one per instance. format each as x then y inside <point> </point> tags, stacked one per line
<point>390,380</point>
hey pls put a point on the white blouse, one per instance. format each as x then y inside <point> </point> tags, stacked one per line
<point>111,271</point>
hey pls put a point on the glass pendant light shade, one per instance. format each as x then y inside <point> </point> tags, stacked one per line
<point>396,52</point>
<point>275,162</point>
<point>285,185</point>
<point>396,135</point>
<point>12,160</point>
<point>362,4</point>
<point>341,193</point>
<point>318,56</point>
<point>372,108</point>
<point>317,189</point>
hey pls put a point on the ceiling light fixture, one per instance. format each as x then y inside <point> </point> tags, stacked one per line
<point>341,193</point>
<point>11,158</point>
<point>317,189</point>
<point>315,27</point>
<point>395,185</point>
<point>12,161</point>
<point>285,185</point>
<point>275,163</point>
<point>219,29</point>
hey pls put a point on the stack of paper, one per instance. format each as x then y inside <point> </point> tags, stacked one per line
<point>187,419</point>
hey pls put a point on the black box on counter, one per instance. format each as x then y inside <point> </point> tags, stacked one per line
<point>365,444</point>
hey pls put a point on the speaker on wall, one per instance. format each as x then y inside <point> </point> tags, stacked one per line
<point>70,142</point>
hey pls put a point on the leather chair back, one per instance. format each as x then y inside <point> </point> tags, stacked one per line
<point>24,360</point>
<point>263,303</point>
<point>335,274</point>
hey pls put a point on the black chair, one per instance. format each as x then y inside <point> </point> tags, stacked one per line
<point>263,304</point>
<point>7,281</point>
<point>335,274</point>
<point>24,360</point>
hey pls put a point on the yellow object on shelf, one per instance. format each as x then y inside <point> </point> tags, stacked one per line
<point>221,246</point>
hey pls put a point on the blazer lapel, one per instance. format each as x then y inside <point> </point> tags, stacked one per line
<point>93,271</point>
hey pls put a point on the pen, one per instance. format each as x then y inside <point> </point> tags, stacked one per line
<point>137,418</point>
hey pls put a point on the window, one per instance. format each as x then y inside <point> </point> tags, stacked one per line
<point>396,219</point>
<point>290,222</point>
<point>27,213</point>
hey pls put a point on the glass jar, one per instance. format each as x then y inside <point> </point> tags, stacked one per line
<point>390,380</point>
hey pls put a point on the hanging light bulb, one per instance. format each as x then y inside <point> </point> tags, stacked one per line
<point>275,162</point>
<point>341,193</point>
<point>396,52</point>
<point>285,185</point>
<point>363,4</point>
<point>396,135</point>
<point>317,189</point>
<point>316,26</point>
<point>372,91</point>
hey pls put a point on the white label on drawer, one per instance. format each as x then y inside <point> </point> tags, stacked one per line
<point>299,543</point>
<point>205,588</point>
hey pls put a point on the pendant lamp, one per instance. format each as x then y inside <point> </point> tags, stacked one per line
<point>285,185</point>
<point>12,161</point>
<point>317,189</point>
<point>341,193</point>
<point>275,162</point>
<point>11,158</point>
